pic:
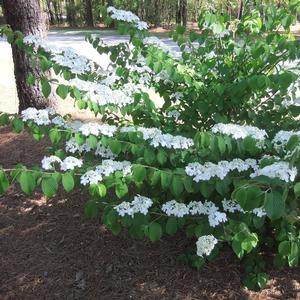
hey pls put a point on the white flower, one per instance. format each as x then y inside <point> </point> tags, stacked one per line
<point>58,120</point>
<point>279,170</point>
<point>260,212</point>
<point>47,162</point>
<point>97,129</point>
<point>140,204</point>
<point>215,218</point>
<point>196,208</point>
<point>124,208</point>
<point>90,177</point>
<point>104,152</point>
<point>127,16</point>
<point>110,166</point>
<point>174,208</point>
<point>142,25</point>
<point>206,244</point>
<point>103,94</point>
<point>70,163</point>
<point>38,116</point>
<point>209,170</point>
<point>239,131</point>
<point>231,206</point>
<point>282,137</point>
<point>72,146</point>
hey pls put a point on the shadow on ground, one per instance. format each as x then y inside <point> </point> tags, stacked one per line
<point>49,250</point>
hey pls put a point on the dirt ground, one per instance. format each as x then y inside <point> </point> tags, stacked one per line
<point>50,250</point>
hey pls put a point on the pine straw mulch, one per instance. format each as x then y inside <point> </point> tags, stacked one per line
<point>49,250</point>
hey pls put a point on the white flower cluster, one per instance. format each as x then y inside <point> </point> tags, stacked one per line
<point>127,16</point>
<point>231,206</point>
<point>280,170</point>
<point>239,131</point>
<point>67,57</point>
<point>102,94</point>
<point>69,163</point>
<point>47,162</point>
<point>104,152</point>
<point>221,169</point>
<point>282,137</point>
<point>159,139</point>
<point>107,168</point>
<point>72,146</point>
<point>97,129</point>
<point>174,208</point>
<point>206,244</point>
<point>179,210</point>
<point>140,204</point>
<point>38,116</point>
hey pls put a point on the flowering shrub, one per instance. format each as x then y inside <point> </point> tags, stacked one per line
<point>218,161</point>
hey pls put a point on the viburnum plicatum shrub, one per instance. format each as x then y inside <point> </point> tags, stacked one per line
<point>217,162</point>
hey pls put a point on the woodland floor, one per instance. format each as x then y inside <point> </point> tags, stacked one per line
<point>50,250</point>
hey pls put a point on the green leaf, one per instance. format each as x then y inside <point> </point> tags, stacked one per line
<point>91,209</point>
<point>188,184</point>
<point>177,186</point>
<point>31,79</point>
<point>274,205</point>
<point>149,156</point>
<point>92,141</point>
<point>116,147</point>
<point>166,180</point>
<point>4,119</point>
<point>262,280</point>
<point>49,186</point>
<point>221,144</point>
<point>18,125</point>
<point>162,157</point>
<point>121,190</point>
<point>297,189</point>
<point>284,248</point>
<point>155,231</point>
<point>62,91</point>
<point>249,197</point>
<point>171,226</point>
<point>293,258</point>
<point>4,183</point>
<point>54,135</point>
<point>27,182</point>
<point>139,173</point>
<point>46,87</point>
<point>68,182</point>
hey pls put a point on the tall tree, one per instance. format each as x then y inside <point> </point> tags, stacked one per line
<point>89,19</point>
<point>26,16</point>
<point>181,12</point>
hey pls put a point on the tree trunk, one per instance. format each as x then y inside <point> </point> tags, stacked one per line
<point>241,8</point>
<point>71,13</point>
<point>26,16</point>
<point>50,12</point>
<point>89,19</point>
<point>178,12</point>
<point>181,12</point>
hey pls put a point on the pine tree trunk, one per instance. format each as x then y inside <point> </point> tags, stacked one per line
<point>89,19</point>
<point>26,16</point>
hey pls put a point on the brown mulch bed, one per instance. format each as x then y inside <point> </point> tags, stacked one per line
<point>49,250</point>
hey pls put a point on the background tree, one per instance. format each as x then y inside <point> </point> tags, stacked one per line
<point>89,18</point>
<point>26,16</point>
